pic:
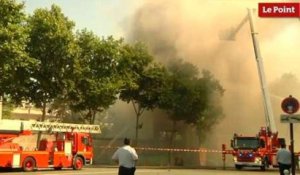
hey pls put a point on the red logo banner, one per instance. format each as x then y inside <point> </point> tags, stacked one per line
<point>279,10</point>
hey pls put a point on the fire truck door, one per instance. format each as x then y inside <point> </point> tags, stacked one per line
<point>68,148</point>
<point>16,161</point>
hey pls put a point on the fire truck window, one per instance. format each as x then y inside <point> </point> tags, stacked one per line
<point>262,143</point>
<point>85,140</point>
<point>61,136</point>
<point>246,142</point>
<point>90,141</point>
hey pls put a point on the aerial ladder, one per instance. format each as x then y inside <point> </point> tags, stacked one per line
<point>7,125</point>
<point>259,150</point>
<point>71,147</point>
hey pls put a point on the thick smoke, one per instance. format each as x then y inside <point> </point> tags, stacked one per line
<point>190,30</point>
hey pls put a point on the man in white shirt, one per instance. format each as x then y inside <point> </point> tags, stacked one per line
<point>126,156</point>
<point>284,159</point>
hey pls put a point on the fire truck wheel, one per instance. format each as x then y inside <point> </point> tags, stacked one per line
<point>265,165</point>
<point>29,164</point>
<point>238,167</point>
<point>58,168</point>
<point>78,163</point>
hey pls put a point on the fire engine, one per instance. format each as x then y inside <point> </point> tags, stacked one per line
<point>71,146</point>
<point>260,150</point>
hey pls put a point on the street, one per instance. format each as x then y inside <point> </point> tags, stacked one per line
<point>144,171</point>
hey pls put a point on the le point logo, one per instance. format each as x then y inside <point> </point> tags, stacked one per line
<point>279,10</point>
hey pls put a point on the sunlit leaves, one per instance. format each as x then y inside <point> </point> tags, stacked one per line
<point>52,45</point>
<point>15,65</point>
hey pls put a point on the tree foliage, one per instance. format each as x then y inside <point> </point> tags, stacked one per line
<point>141,75</point>
<point>145,81</point>
<point>7,109</point>
<point>15,65</point>
<point>52,46</point>
<point>190,96</point>
<point>97,78</point>
<point>213,112</point>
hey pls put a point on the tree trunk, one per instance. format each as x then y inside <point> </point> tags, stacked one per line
<point>137,121</point>
<point>198,135</point>
<point>89,116</point>
<point>138,111</point>
<point>42,119</point>
<point>93,116</point>
<point>173,131</point>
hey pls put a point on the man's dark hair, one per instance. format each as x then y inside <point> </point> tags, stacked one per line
<point>283,146</point>
<point>127,141</point>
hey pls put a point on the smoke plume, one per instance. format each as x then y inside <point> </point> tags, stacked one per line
<point>190,30</point>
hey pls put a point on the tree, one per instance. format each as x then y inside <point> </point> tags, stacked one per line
<point>211,114</point>
<point>189,93</point>
<point>189,97</point>
<point>15,65</point>
<point>145,81</point>
<point>97,77</point>
<point>52,45</point>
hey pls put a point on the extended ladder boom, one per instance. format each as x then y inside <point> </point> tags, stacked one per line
<point>269,117</point>
<point>7,126</point>
<point>267,103</point>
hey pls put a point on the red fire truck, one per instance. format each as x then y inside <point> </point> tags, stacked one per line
<point>70,147</point>
<point>259,150</point>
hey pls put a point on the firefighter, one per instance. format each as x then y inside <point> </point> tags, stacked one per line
<point>283,158</point>
<point>126,156</point>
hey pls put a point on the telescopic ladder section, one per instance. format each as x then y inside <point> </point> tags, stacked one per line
<point>267,102</point>
<point>7,126</point>
<point>269,117</point>
<point>64,127</point>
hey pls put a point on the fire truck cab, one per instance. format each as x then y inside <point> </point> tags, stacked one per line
<point>70,148</point>
<point>258,151</point>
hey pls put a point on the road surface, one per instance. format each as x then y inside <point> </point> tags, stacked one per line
<point>144,171</point>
